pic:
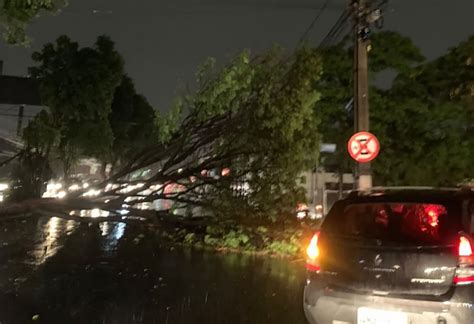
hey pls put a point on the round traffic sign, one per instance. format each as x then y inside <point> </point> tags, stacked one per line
<point>363,147</point>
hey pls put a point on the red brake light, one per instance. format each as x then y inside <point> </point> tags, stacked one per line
<point>432,213</point>
<point>464,248</point>
<point>463,280</point>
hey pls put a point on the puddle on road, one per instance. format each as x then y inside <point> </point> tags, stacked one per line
<point>47,238</point>
<point>111,234</point>
<point>51,234</point>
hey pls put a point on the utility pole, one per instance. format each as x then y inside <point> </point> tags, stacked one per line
<point>19,125</point>
<point>363,15</point>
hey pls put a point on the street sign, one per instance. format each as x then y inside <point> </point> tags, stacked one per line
<point>328,148</point>
<point>363,147</point>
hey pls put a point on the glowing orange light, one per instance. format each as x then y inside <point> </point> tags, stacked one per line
<point>313,250</point>
<point>225,172</point>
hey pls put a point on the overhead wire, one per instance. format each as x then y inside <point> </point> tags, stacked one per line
<point>336,30</point>
<point>313,23</point>
<point>340,27</point>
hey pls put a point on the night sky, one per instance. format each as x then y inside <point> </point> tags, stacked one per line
<point>163,41</point>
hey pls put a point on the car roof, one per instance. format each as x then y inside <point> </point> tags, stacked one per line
<point>411,194</point>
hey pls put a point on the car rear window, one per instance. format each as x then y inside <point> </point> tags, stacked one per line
<point>401,223</point>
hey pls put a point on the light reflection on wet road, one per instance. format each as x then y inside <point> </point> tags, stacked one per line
<point>74,273</point>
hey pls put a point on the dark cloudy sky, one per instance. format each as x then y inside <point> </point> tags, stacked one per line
<point>163,41</point>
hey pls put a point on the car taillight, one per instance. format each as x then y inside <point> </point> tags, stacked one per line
<point>465,270</point>
<point>464,248</point>
<point>312,253</point>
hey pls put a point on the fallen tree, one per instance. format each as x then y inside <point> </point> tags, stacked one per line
<point>249,132</point>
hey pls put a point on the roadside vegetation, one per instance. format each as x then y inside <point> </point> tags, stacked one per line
<point>288,240</point>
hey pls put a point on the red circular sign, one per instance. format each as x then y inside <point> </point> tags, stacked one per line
<point>363,147</point>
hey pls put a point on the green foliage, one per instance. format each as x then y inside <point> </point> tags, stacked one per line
<point>142,123</point>
<point>283,247</point>
<point>256,117</point>
<point>233,237</point>
<point>33,169</point>
<point>218,92</point>
<point>168,125</point>
<point>15,15</point>
<point>424,122</point>
<point>78,85</point>
<point>189,238</point>
<point>41,133</point>
<point>423,143</point>
<point>209,240</point>
<point>390,50</point>
<point>231,241</point>
<point>336,88</point>
<point>450,77</point>
<point>29,175</point>
<point>132,121</point>
<point>214,230</point>
<point>288,242</point>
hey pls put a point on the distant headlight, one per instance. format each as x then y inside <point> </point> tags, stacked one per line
<point>301,215</point>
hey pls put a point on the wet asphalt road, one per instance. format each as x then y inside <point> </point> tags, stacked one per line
<point>57,271</point>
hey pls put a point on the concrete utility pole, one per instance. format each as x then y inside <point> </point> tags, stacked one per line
<point>19,125</point>
<point>363,16</point>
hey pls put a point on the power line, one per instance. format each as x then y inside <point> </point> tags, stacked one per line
<point>204,6</point>
<point>313,22</point>
<point>335,31</point>
<point>343,30</point>
<point>341,25</point>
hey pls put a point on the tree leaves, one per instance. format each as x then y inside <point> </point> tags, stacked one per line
<point>391,50</point>
<point>272,100</point>
<point>132,120</point>
<point>424,122</point>
<point>77,85</point>
<point>15,16</point>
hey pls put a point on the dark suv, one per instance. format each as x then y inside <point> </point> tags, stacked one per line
<point>394,256</point>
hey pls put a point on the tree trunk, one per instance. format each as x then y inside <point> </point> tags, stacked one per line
<point>103,171</point>
<point>115,165</point>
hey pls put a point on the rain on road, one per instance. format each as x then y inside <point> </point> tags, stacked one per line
<point>58,271</point>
